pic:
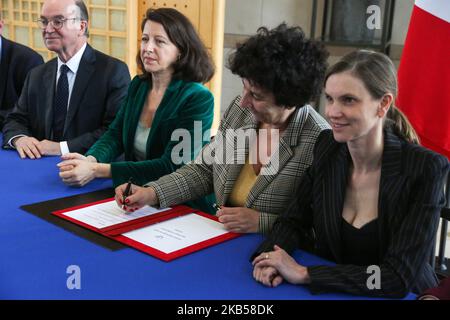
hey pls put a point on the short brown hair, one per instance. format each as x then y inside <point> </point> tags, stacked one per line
<point>195,63</point>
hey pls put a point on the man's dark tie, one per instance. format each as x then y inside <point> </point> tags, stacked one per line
<point>60,104</point>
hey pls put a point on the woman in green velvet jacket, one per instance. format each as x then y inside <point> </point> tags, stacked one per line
<point>168,99</point>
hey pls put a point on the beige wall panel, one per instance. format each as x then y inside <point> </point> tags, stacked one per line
<point>206,23</point>
<point>190,8</point>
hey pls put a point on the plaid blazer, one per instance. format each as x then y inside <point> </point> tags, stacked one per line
<point>217,172</point>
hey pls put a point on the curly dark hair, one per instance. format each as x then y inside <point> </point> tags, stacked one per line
<point>282,61</point>
<point>195,63</point>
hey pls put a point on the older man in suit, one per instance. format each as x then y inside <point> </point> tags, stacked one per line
<point>16,61</point>
<point>67,103</point>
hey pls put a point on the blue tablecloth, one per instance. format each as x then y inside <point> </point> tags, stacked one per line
<point>35,254</point>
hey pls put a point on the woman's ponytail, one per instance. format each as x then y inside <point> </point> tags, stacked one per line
<point>401,125</point>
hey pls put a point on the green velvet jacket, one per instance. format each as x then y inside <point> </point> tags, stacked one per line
<point>183,104</point>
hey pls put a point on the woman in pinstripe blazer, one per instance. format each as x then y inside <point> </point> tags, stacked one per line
<point>281,71</point>
<point>368,174</point>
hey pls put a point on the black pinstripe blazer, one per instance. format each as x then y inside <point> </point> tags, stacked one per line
<point>410,199</point>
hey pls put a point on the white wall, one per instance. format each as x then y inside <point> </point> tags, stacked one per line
<point>243,17</point>
<point>402,14</point>
<point>231,84</point>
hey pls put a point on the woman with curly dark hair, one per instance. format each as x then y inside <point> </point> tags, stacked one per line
<point>282,62</point>
<point>273,125</point>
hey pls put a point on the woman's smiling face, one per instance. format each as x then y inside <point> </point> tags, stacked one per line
<point>350,108</point>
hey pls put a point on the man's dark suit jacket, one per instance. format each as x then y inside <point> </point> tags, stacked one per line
<point>410,199</point>
<point>100,86</point>
<point>16,61</point>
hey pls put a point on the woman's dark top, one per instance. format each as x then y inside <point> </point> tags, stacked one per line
<point>360,246</point>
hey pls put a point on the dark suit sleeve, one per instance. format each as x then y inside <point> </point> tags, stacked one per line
<point>120,79</point>
<point>18,120</point>
<point>29,62</point>
<point>34,61</point>
<point>110,145</point>
<point>19,61</point>
<point>410,245</point>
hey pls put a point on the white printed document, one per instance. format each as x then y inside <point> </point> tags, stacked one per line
<point>178,233</point>
<point>107,214</point>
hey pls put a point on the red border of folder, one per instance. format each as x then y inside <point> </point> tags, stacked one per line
<point>115,232</point>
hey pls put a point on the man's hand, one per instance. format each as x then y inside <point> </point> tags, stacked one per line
<point>28,147</point>
<point>49,148</point>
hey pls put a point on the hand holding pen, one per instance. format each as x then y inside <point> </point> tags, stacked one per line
<point>131,197</point>
<point>127,192</point>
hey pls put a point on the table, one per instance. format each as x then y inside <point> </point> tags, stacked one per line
<point>35,254</point>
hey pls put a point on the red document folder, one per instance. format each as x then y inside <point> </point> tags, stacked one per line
<point>116,231</point>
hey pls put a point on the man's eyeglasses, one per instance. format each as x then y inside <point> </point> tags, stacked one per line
<point>57,23</point>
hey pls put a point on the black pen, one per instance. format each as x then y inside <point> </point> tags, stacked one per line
<point>216,207</point>
<point>127,191</point>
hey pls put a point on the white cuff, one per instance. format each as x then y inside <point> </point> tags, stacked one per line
<point>64,147</point>
<point>10,140</point>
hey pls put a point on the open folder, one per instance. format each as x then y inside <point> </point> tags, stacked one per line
<point>164,233</point>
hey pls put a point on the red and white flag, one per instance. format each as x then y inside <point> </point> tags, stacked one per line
<point>424,74</point>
